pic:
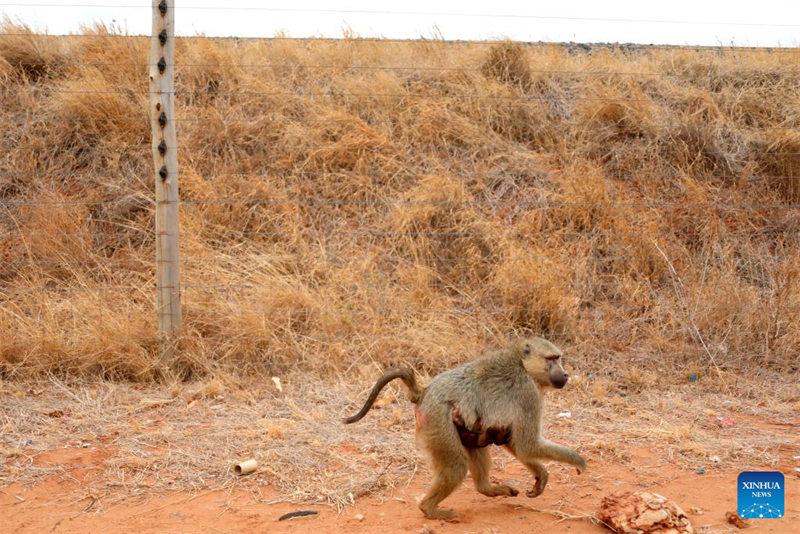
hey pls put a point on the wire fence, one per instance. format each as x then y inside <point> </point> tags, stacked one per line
<point>491,15</point>
<point>628,254</point>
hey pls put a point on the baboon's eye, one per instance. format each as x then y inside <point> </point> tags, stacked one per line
<point>527,349</point>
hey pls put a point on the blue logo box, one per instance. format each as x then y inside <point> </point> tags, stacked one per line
<point>760,494</point>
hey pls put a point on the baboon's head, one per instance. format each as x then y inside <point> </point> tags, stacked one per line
<point>542,360</point>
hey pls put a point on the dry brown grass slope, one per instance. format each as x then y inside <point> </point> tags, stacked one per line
<point>348,201</point>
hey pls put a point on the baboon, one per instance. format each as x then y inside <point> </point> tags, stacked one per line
<point>497,399</point>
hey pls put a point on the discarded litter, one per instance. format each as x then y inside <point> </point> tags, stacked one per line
<point>277,382</point>
<point>565,414</point>
<point>299,513</point>
<point>701,471</point>
<point>246,467</point>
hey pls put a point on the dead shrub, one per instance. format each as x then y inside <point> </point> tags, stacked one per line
<point>33,56</point>
<point>209,71</point>
<point>121,58</point>
<point>535,294</point>
<point>508,63</point>
<point>438,225</point>
<point>697,150</point>
<point>618,119</point>
<point>91,109</point>
<point>524,122</point>
<point>778,156</point>
<point>427,125</point>
<point>583,203</point>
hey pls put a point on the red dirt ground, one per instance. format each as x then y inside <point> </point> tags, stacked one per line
<point>56,504</point>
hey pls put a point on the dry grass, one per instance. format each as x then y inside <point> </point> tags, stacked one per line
<point>145,442</point>
<point>141,442</point>
<point>339,211</point>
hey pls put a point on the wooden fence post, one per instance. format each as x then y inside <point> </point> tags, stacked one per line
<point>165,157</point>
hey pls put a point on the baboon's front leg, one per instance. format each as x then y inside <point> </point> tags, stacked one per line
<point>552,451</point>
<point>546,450</point>
<point>479,464</point>
<point>540,474</point>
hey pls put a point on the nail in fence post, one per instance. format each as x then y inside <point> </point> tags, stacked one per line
<point>165,157</point>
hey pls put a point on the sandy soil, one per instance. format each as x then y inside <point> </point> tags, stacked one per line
<point>112,458</point>
<point>56,504</point>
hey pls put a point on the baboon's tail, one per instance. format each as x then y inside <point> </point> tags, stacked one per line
<point>409,379</point>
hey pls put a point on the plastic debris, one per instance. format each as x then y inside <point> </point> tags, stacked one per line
<point>277,382</point>
<point>726,421</point>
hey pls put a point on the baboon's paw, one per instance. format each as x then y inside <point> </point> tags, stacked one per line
<point>443,514</point>
<point>499,490</point>
<point>581,467</point>
<point>508,490</point>
<point>538,487</point>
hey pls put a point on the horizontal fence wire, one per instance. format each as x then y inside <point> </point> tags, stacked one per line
<point>251,287</point>
<point>283,67</point>
<point>391,12</point>
<point>355,146</point>
<point>778,206</point>
<point>628,48</point>
<point>751,176</point>
<point>335,259</point>
<point>19,236</point>
<point>342,94</point>
<point>353,119</point>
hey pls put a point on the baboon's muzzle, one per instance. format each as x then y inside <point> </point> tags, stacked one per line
<point>559,379</point>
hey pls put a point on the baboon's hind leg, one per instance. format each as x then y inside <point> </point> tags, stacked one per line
<point>448,461</point>
<point>445,480</point>
<point>479,465</point>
